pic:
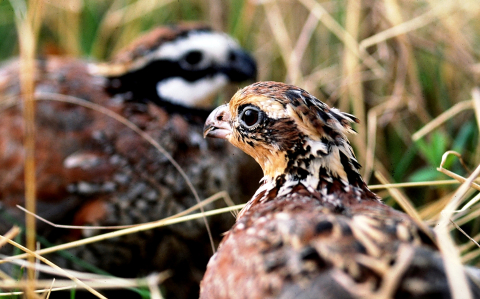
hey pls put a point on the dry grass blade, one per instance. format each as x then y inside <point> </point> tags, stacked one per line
<point>456,276</point>
<point>442,8</point>
<point>471,202</point>
<point>303,39</point>
<point>153,287</point>
<point>104,283</point>
<point>65,17</point>
<point>28,23</point>
<point>350,43</point>
<point>353,95</point>
<point>127,231</point>
<point>466,216</point>
<point>5,276</point>
<point>371,136</point>
<point>405,204</point>
<point>41,291</point>
<point>93,280</point>
<point>203,203</point>
<point>52,271</point>
<point>463,215</point>
<point>32,253</point>
<point>98,283</point>
<point>133,11</point>
<point>118,17</point>
<point>476,104</point>
<point>431,211</point>
<point>452,174</point>
<point>50,289</point>
<point>414,184</point>
<point>457,177</point>
<point>439,120</point>
<point>12,233</point>
<point>280,33</point>
<point>468,245</point>
<point>472,255</point>
<point>464,233</point>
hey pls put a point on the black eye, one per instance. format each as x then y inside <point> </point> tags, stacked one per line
<point>232,56</point>
<point>193,57</point>
<point>251,117</point>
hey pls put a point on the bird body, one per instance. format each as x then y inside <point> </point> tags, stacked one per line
<point>313,229</point>
<point>92,169</point>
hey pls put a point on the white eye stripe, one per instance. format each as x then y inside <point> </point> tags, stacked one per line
<point>273,109</point>
<point>216,44</point>
<point>180,91</point>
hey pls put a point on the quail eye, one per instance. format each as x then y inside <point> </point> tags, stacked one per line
<point>232,56</point>
<point>193,57</point>
<point>251,117</point>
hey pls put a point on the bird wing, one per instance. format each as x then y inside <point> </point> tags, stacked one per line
<point>298,247</point>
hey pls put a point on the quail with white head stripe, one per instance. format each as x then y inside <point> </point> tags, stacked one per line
<point>94,170</point>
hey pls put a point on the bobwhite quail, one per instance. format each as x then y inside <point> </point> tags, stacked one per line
<point>313,229</point>
<point>94,170</point>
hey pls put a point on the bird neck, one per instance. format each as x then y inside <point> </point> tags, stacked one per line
<point>322,167</point>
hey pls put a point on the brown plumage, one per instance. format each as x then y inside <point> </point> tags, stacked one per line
<point>313,229</point>
<point>94,170</point>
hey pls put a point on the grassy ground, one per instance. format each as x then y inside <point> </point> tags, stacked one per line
<point>407,69</point>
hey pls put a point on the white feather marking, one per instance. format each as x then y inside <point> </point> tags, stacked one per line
<point>272,108</point>
<point>180,91</point>
<point>215,44</point>
<point>317,146</point>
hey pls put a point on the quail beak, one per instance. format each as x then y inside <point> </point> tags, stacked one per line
<point>218,123</point>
